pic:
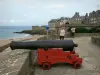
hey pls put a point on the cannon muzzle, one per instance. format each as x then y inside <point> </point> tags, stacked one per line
<point>34,45</point>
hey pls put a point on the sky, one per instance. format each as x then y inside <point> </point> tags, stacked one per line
<point>39,12</point>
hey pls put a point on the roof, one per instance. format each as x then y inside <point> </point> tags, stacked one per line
<point>53,20</point>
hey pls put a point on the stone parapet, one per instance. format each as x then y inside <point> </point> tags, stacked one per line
<point>96,40</point>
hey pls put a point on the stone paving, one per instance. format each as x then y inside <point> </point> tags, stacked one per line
<point>11,62</point>
<point>91,61</point>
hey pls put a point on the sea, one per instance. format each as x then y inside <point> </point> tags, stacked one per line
<point>7,32</point>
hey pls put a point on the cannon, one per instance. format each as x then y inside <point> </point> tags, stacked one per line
<point>51,51</point>
<point>67,45</point>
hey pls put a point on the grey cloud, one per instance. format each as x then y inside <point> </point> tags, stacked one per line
<point>41,11</point>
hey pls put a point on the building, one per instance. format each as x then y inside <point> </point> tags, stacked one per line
<point>86,19</point>
<point>89,19</point>
<point>94,17</point>
<point>56,24</point>
<point>76,19</point>
<point>64,20</point>
<point>38,27</point>
<point>35,27</point>
<point>52,24</point>
<point>98,17</point>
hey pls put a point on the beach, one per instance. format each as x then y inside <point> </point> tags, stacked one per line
<point>5,42</point>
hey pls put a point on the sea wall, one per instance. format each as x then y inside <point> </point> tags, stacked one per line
<point>17,62</point>
<point>96,40</point>
<point>87,34</point>
<point>68,35</point>
<point>4,47</point>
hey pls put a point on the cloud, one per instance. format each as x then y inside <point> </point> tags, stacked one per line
<point>2,2</point>
<point>55,6</point>
<point>25,15</point>
<point>98,6</point>
<point>55,12</point>
<point>58,6</point>
<point>7,21</point>
<point>12,21</point>
<point>39,11</point>
<point>31,6</point>
<point>3,21</point>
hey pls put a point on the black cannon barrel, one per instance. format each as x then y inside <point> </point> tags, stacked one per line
<point>66,44</point>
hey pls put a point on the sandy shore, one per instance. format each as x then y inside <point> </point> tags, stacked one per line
<point>34,37</point>
<point>5,42</point>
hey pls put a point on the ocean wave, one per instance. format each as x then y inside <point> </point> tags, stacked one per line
<point>27,35</point>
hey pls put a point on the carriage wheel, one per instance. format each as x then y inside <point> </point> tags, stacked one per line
<point>46,66</point>
<point>77,65</point>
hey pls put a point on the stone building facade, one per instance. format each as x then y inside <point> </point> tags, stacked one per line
<point>94,17</point>
<point>38,27</point>
<point>52,24</point>
<point>76,19</point>
<point>86,19</point>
